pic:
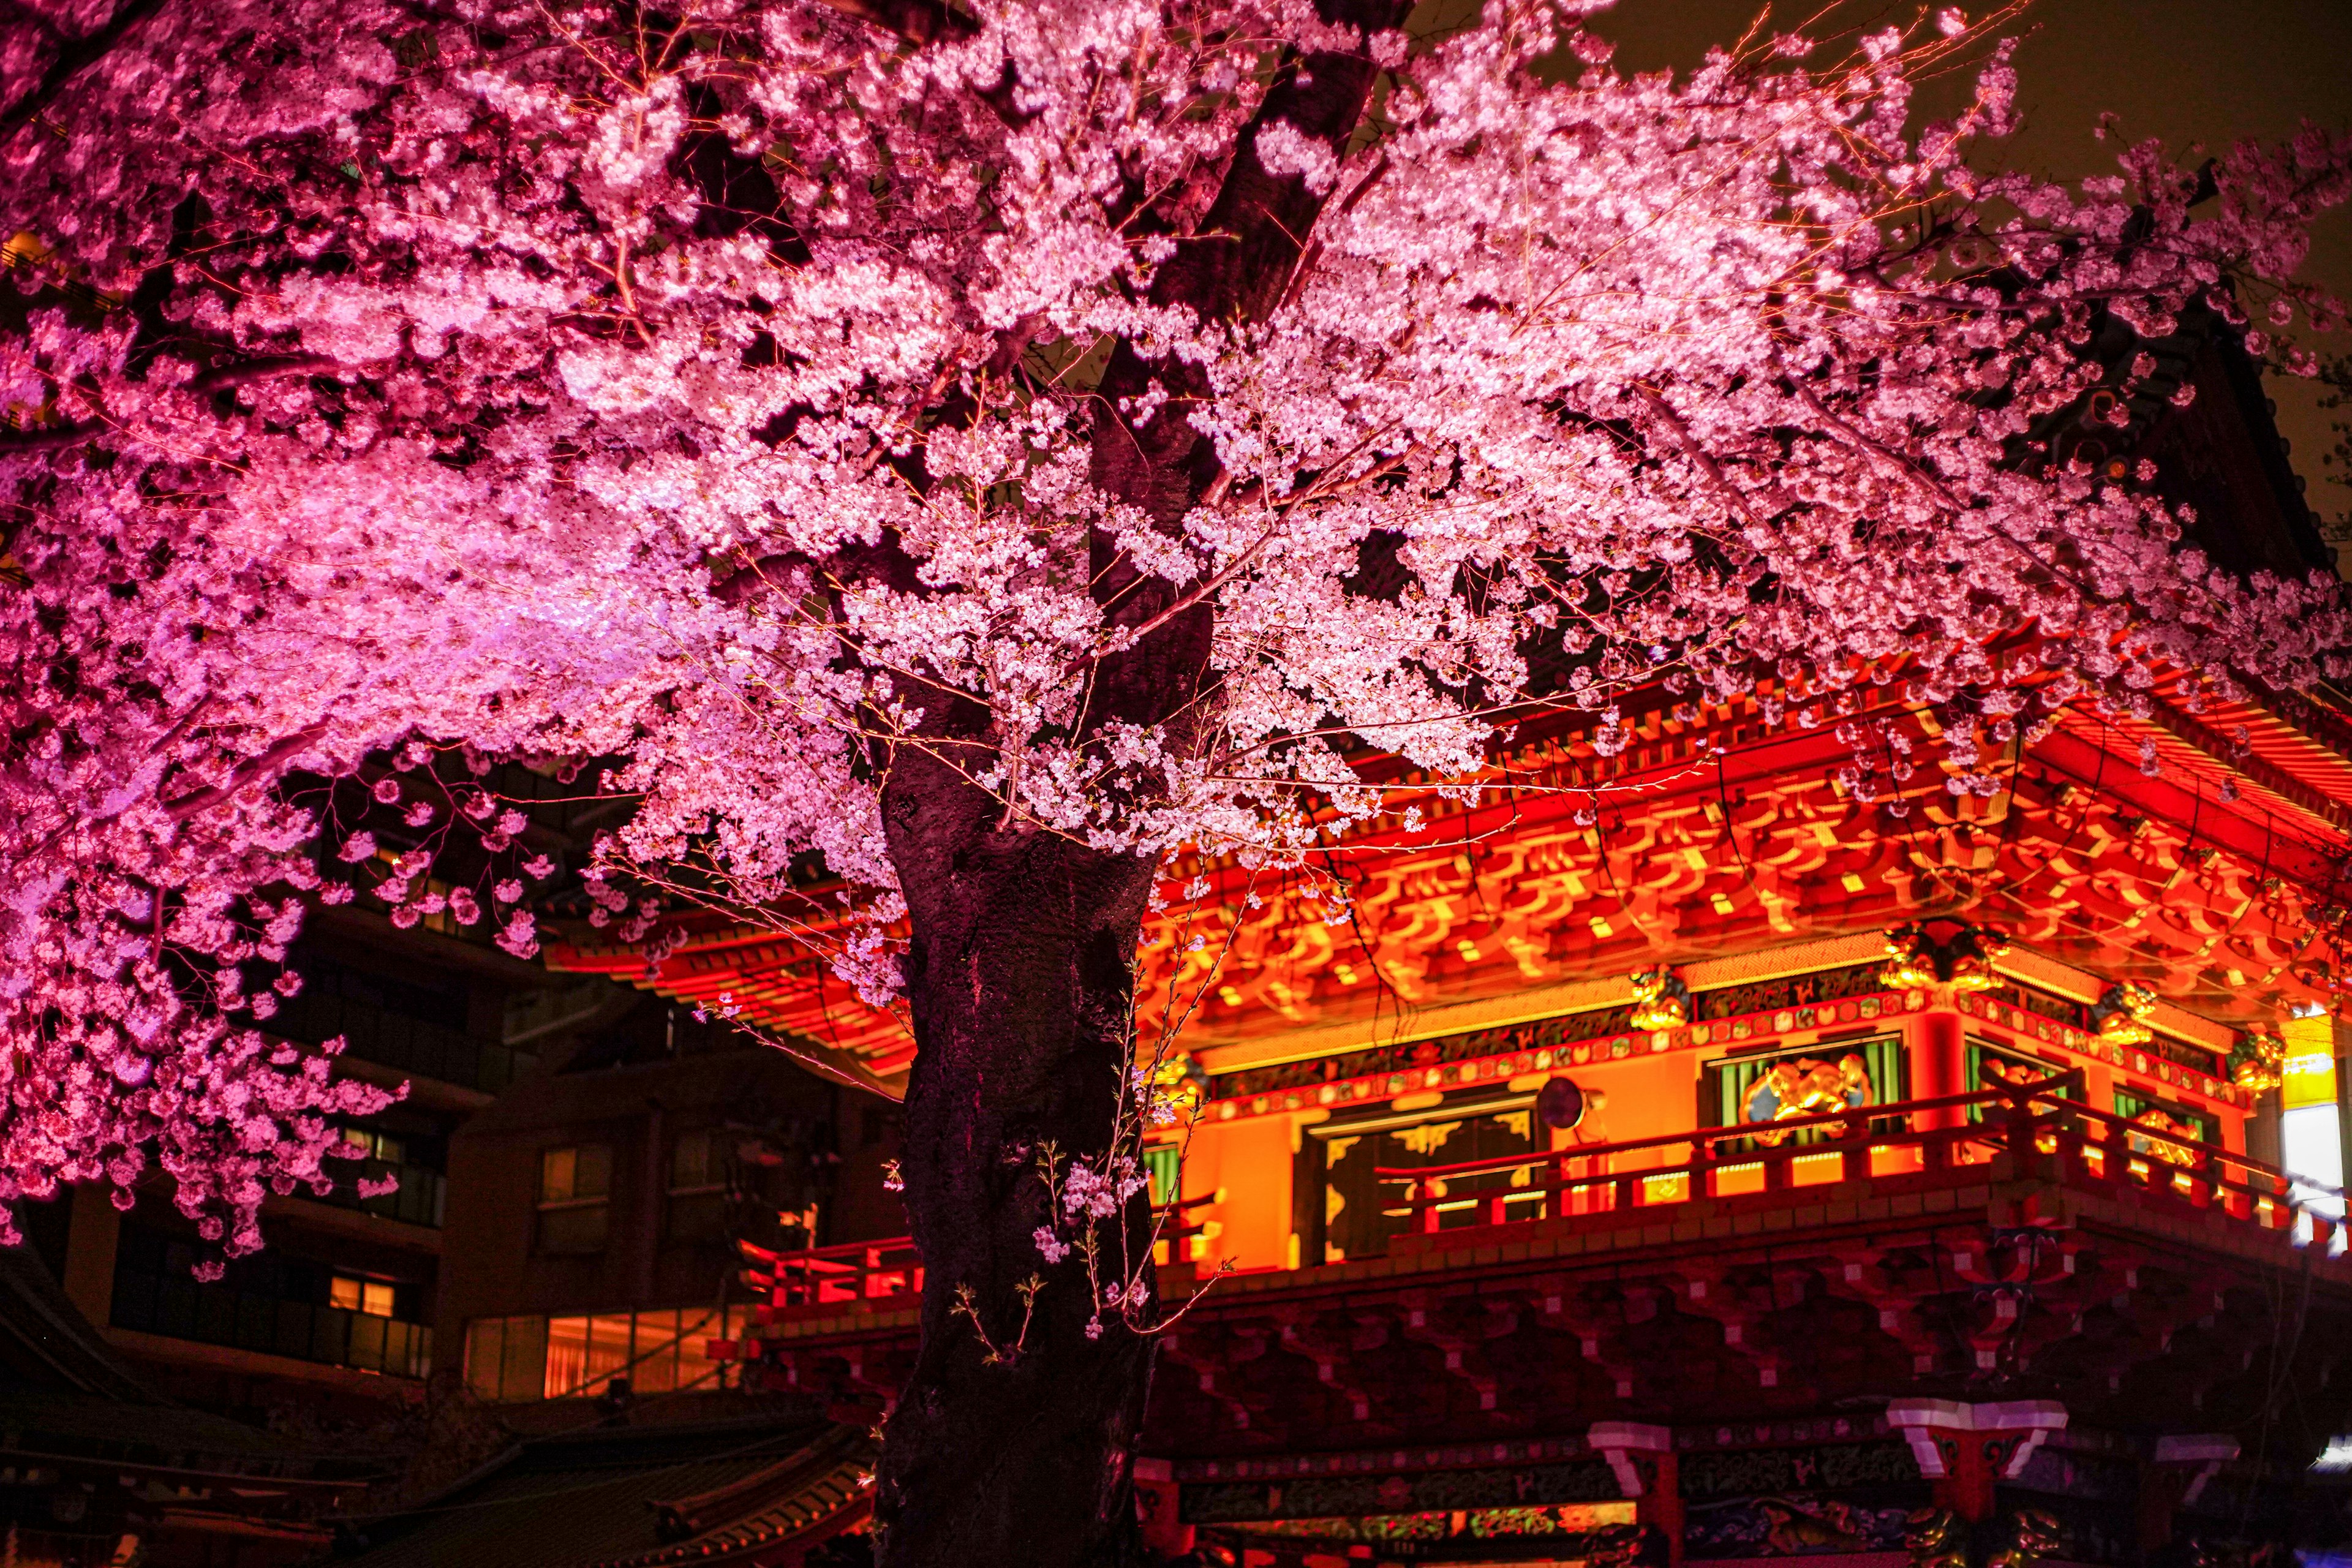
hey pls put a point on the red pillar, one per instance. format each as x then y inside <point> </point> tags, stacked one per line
<point>1662,1506</point>
<point>1938,1060</point>
<point>1155,1508</point>
<point>1967,1486</point>
<point>1963,1448</point>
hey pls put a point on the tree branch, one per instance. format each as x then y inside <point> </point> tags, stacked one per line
<point>49,440</point>
<point>916,21</point>
<point>220,379</point>
<point>245,372</point>
<point>1697,455</point>
<point>75,58</point>
<point>251,771</point>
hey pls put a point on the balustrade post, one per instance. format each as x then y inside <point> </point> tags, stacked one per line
<point>2017,1123</point>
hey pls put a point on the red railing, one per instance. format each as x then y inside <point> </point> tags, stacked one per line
<point>1867,1141</point>
<point>853,1271</point>
<point>888,1267</point>
<point>1943,1136</point>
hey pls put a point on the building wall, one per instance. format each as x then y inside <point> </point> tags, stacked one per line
<point>190,1350</point>
<point>502,1260</point>
<point>1266,1220</point>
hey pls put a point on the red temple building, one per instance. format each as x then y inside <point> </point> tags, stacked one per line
<point>1676,1155</point>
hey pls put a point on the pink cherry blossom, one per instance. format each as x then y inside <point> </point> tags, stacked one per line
<point>723,409</point>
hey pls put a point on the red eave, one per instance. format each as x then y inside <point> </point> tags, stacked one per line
<point>1693,854</point>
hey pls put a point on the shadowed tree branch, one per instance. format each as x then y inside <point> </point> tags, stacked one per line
<point>78,55</point>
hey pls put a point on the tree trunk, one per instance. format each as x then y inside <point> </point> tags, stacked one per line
<point>1013,1447</point>
<point>1016,1449</point>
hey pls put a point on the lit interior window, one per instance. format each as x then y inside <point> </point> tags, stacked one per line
<point>373,1297</point>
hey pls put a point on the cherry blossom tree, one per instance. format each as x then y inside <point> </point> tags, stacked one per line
<point>985,450</point>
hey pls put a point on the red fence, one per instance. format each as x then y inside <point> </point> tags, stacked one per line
<point>883,1269</point>
<point>1947,1132</point>
<point>1945,1135</point>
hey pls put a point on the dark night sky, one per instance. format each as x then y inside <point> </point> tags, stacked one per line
<point>2185,70</point>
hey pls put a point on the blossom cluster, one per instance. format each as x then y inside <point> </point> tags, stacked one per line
<point>1088,1202</point>
<point>715,396</point>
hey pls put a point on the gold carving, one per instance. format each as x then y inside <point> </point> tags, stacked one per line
<point>2171,1153</point>
<point>1806,1086</point>
<point>1615,1545</point>
<point>1797,1530</point>
<point>1180,1081</point>
<point>2122,1015</point>
<point>2000,1069</point>
<point>1916,960</point>
<point>2032,1536</point>
<point>1661,1000</point>
<point>1936,1538</point>
<point>1429,1137</point>
<point>2255,1062</point>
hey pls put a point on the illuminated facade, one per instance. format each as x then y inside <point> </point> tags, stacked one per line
<point>1685,1153</point>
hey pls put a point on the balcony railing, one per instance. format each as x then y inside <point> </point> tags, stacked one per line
<point>2037,1121</point>
<point>404,1044</point>
<point>418,1200</point>
<point>884,1269</point>
<point>2040,1126</point>
<point>181,1309</point>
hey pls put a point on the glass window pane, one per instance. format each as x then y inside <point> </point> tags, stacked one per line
<point>567,1357</point>
<point>592,1171</point>
<point>485,1344</point>
<point>524,1360</point>
<point>345,1293</point>
<point>376,1298</point>
<point>331,1337</point>
<point>608,1350</point>
<point>366,1343</point>
<point>658,1351</point>
<point>1161,1162</point>
<point>557,1172</point>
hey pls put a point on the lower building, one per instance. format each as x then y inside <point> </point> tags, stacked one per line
<point>1577,1288</point>
<point>591,1259</point>
<point>595,1213</point>
<point>756,1488</point>
<point>330,1329</point>
<point>97,1471</point>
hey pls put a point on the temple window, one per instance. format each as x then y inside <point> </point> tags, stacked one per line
<point>1359,1212</point>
